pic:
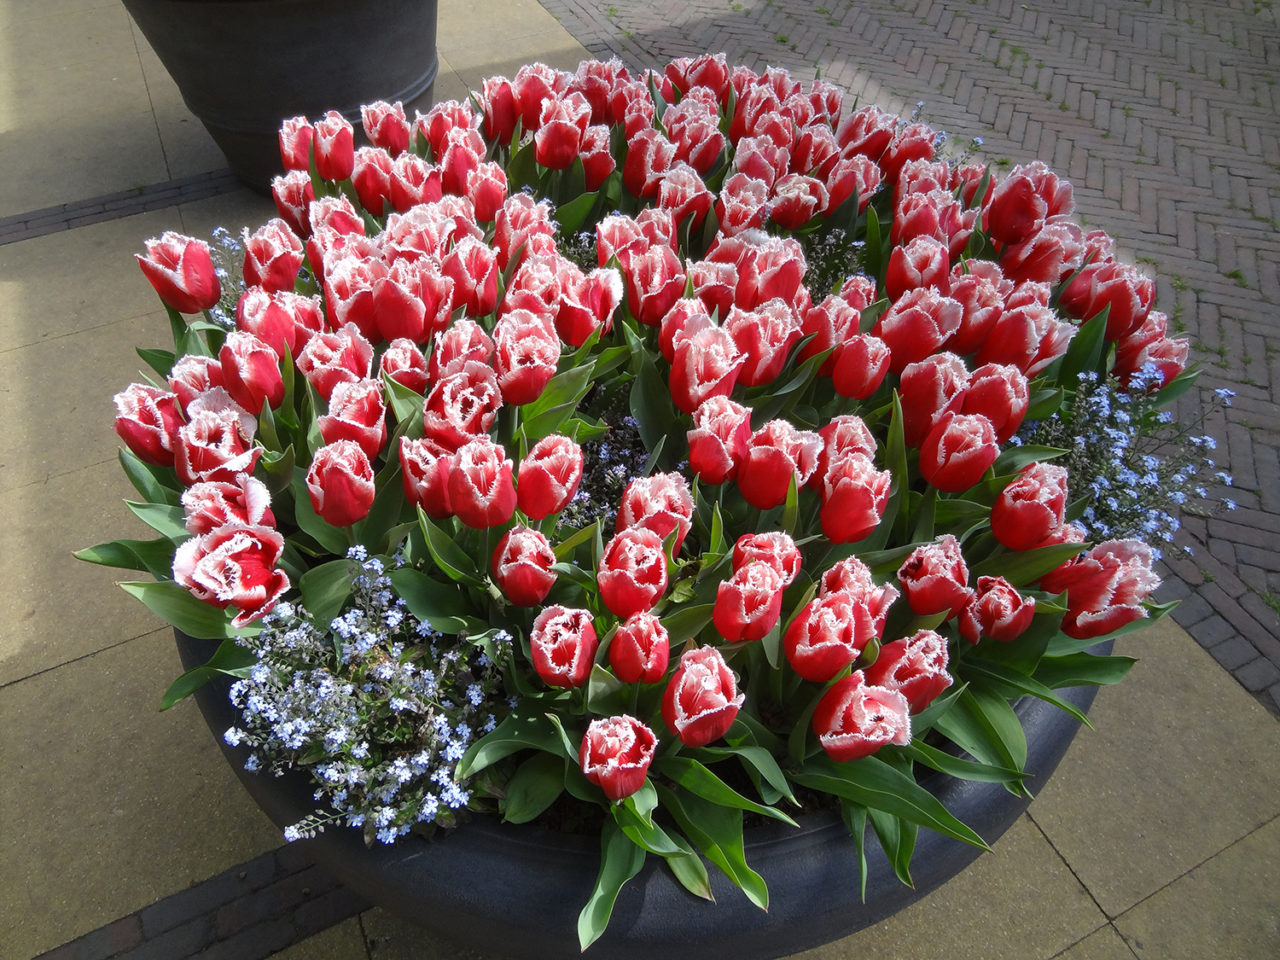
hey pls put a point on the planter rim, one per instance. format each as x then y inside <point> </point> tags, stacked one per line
<point>503,887</point>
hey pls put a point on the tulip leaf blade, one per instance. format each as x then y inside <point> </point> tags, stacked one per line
<point>451,559</point>
<point>176,606</point>
<point>897,839</point>
<point>606,694</point>
<point>165,519</point>
<point>1026,566</point>
<point>983,724</point>
<point>642,831</point>
<point>517,731</point>
<point>700,781</point>
<point>895,458</point>
<point>325,590</point>
<point>954,766</point>
<point>854,816</point>
<point>1085,351</point>
<point>717,832</point>
<point>688,868</point>
<point>230,659</point>
<point>1082,669</point>
<point>762,762</point>
<point>1013,459</point>
<point>620,860</point>
<point>1179,385</point>
<point>156,484</point>
<point>564,549</point>
<point>431,601</point>
<point>1018,684</point>
<point>152,556</point>
<point>522,169</point>
<point>161,361</point>
<point>876,785</point>
<point>687,622</point>
<point>533,788</point>
<point>572,213</point>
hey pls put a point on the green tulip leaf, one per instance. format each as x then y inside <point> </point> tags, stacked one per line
<point>983,723</point>
<point>1082,669</point>
<point>153,556</point>
<point>518,731</point>
<point>943,762</point>
<point>156,484</point>
<point>442,605</point>
<point>898,840</point>
<point>176,606</point>
<point>876,785</point>
<point>325,590</point>
<point>533,788</point>
<point>699,780</point>
<point>230,659</point>
<point>620,860</point>
<point>165,519</point>
<point>1021,567</point>
<point>717,832</point>
<point>454,562</point>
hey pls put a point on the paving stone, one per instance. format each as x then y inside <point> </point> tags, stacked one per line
<point>130,807</point>
<point>1213,631</point>
<point>1022,868</point>
<point>344,941</point>
<point>1258,674</point>
<point>1125,786</point>
<point>204,897</point>
<point>1234,653</point>
<point>1105,943</point>
<point>1207,913</point>
<point>124,934</point>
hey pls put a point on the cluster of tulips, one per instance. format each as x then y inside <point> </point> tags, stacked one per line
<point>831,542</point>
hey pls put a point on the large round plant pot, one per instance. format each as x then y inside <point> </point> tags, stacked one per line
<point>243,66</point>
<point>516,890</point>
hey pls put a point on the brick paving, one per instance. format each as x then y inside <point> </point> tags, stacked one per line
<point>248,912</point>
<point>1165,114</point>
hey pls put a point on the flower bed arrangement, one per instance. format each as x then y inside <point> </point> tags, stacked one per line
<point>646,453</point>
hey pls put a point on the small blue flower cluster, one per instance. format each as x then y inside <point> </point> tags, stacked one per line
<point>379,706</point>
<point>1136,469</point>
<point>228,259</point>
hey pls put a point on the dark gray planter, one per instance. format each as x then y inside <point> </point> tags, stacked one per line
<point>517,890</point>
<point>243,66</point>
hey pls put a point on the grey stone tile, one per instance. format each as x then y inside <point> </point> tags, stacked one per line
<point>59,608</point>
<point>236,210</point>
<point>57,395</point>
<point>1103,944</point>
<point>391,938</point>
<point>73,281</point>
<point>504,21</point>
<point>1031,909</point>
<point>188,148</point>
<point>109,803</point>
<point>345,941</point>
<point>476,60</point>
<point>1181,764</point>
<point>1227,908</point>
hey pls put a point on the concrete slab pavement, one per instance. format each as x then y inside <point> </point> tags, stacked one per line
<point>127,835</point>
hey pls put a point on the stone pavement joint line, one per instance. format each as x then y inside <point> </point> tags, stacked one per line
<point>245,913</point>
<point>1165,115</point>
<point>113,206</point>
